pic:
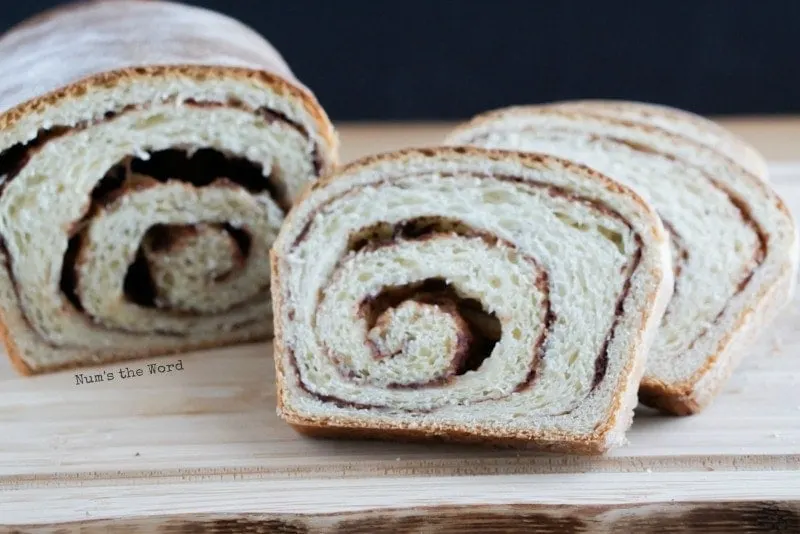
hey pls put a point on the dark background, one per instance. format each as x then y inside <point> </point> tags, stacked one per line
<point>448,59</point>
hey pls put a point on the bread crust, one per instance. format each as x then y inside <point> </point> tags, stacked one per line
<point>624,400</point>
<point>195,73</point>
<point>694,395</point>
<point>24,369</point>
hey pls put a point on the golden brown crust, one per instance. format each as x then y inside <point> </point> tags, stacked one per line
<point>688,397</point>
<point>528,159</point>
<point>197,73</point>
<point>675,400</point>
<point>596,443</point>
<point>450,436</point>
<point>24,369</point>
<point>11,349</point>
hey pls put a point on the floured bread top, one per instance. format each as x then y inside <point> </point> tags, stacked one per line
<point>79,40</point>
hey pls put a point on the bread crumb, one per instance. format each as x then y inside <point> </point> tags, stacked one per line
<point>648,470</point>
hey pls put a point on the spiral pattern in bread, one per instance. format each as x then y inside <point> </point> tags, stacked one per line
<point>144,177</point>
<point>467,294</point>
<point>682,123</point>
<point>734,244</point>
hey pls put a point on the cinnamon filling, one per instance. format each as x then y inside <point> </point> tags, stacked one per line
<point>759,252</point>
<point>200,168</point>
<point>476,343</point>
<point>203,167</point>
<point>483,329</point>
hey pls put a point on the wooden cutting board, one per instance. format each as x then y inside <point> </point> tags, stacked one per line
<point>199,447</point>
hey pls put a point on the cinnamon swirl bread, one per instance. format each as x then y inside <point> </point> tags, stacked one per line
<point>150,151</point>
<point>677,121</point>
<point>733,241</point>
<point>470,295</point>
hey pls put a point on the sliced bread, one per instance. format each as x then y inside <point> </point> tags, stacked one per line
<point>677,121</point>
<point>734,242</point>
<point>468,295</point>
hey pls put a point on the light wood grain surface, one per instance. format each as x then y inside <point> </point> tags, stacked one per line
<point>203,449</point>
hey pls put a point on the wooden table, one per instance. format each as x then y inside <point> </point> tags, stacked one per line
<point>202,449</point>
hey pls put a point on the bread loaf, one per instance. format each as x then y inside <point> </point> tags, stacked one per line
<point>150,151</point>
<point>468,295</point>
<point>733,241</point>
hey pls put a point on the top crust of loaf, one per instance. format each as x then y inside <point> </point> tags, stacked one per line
<point>466,152</point>
<point>38,108</point>
<point>609,433</point>
<point>57,59</point>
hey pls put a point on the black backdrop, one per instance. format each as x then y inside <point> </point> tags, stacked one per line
<point>444,59</point>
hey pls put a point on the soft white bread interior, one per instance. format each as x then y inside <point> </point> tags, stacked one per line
<point>677,121</point>
<point>145,175</point>
<point>734,242</point>
<point>470,295</point>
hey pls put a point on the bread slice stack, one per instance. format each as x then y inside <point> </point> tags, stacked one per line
<point>145,175</point>
<point>734,244</point>
<point>467,294</point>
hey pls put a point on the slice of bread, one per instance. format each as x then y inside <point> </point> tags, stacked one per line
<point>677,121</point>
<point>468,295</point>
<point>145,175</point>
<point>734,242</point>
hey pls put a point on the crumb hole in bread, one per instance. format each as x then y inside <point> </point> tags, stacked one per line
<point>384,233</point>
<point>138,285</point>
<point>566,219</point>
<point>611,235</point>
<point>15,157</point>
<point>69,279</point>
<point>200,168</point>
<point>614,237</point>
